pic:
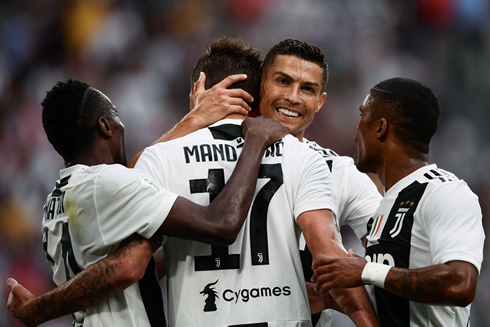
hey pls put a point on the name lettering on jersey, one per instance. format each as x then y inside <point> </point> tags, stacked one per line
<point>55,206</point>
<point>210,152</point>
<point>224,152</point>
<point>274,150</point>
<point>242,295</point>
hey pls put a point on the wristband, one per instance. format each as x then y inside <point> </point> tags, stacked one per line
<point>375,274</point>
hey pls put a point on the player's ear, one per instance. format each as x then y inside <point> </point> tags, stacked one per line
<point>104,127</point>
<point>321,101</point>
<point>381,128</point>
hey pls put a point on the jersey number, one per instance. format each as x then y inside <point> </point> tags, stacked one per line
<point>220,258</point>
<point>66,252</point>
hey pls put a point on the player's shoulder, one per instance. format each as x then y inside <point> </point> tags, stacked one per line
<point>437,178</point>
<point>112,175</point>
<point>442,184</point>
<point>294,146</point>
<point>324,152</point>
<point>340,161</point>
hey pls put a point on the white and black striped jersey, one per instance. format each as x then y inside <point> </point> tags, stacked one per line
<point>429,217</point>
<point>90,211</point>
<point>258,280</point>
<point>356,198</point>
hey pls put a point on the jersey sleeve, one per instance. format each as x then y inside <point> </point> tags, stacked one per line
<point>314,190</point>
<point>454,220</point>
<point>149,163</point>
<point>128,202</point>
<point>359,197</point>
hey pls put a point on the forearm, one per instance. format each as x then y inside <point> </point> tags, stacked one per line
<point>444,284</point>
<point>234,200</point>
<point>190,123</point>
<point>355,303</point>
<point>95,284</point>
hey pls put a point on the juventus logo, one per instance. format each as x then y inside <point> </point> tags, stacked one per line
<point>261,257</point>
<point>398,224</point>
<point>218,262</point>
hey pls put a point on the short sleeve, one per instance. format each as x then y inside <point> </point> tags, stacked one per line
<point>149,163</point>
<point>314,190</point>
<point>454,220</point>
<point>359,197</point>
<point>128,202</point>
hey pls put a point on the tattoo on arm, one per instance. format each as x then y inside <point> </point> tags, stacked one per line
<point>94,284</point>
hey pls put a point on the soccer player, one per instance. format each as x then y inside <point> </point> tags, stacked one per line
<point>258,279</point>
<point>324,236</point>
<point>293,89</point>
<point>425,246</point>
<point>98,203</point>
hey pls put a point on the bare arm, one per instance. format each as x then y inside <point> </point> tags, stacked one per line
<point>218,223</point>
<point>324,241</point>
<point>91,286</point>
<point>453,283</point>
<point>221,221</point>
<point>208,107</point>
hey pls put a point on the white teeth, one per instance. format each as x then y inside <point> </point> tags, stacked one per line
<point>286,112</point>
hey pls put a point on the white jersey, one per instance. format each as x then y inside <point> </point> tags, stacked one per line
<point>429,217</point>
<point>356,198</point>
<point>258,279</point>
<point>90,211</point>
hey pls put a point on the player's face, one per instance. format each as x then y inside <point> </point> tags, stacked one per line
<point>365,139</point>
<point>291,92</point>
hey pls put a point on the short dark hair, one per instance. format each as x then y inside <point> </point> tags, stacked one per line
<point>70,113</point>
<point>412,107</point>
<point>300,49</point>
<point>228,56</point>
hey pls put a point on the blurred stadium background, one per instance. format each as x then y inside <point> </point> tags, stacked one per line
<point>140,53</point>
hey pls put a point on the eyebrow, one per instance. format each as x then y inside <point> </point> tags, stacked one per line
<point>289,77</point>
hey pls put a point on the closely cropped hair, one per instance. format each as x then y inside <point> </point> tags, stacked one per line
<point>300,49</point>
<point>228,56</point>
<point>412,107</point>
<point>70,113</point>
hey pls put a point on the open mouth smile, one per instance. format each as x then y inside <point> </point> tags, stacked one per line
<point>287,112</point>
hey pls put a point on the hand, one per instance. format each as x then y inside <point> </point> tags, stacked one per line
<point>319,302</point>
<point>339,272</point>
<point>214,104</point>
<point>17,302</point>
<point>264,127</point>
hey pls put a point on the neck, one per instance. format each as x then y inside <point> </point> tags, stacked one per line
<point>90,159</point>
<point>398,166</point>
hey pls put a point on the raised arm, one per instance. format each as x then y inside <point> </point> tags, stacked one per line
<point>208,107</point>
<point>218,223</point>
<point>323,240</point>
<point>221,221</point>
<point>91,286</point>
<point>453,283</point>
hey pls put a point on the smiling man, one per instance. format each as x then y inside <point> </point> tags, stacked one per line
<point>294,81</point>
<point>293,90</point>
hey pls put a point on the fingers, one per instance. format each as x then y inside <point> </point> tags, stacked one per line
<point>228,81</point>
<point>240,94</point>
<point>11,282</point>
<point>199,86</point>
<point>237,110</point>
